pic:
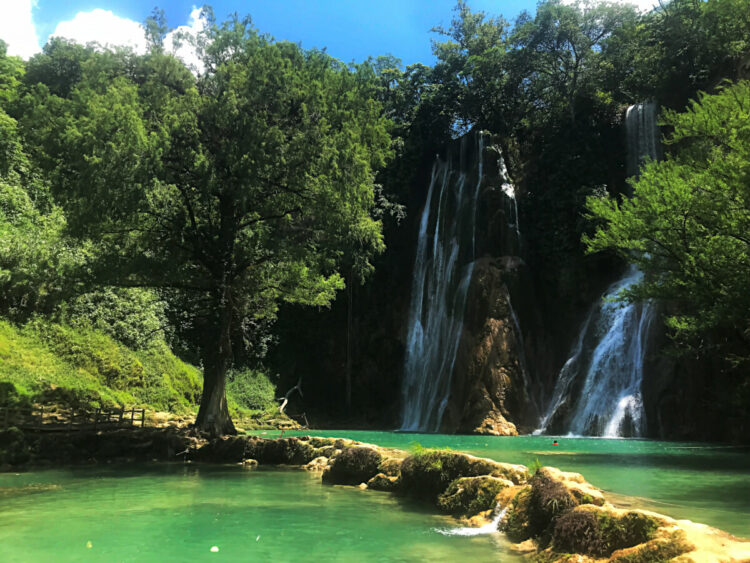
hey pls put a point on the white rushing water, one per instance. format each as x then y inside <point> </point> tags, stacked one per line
<point>442,273</point>
<point>610,349</point>
<point>642,131</point>
<point>489,528</point>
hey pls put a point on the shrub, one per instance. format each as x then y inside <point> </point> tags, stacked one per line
<point>11,397</point>
<point>14,450</point>
<point>251,389</point>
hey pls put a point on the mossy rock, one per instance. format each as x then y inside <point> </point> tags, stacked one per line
<point>670,545</point>
<point>281,451</point>
<point>383,482</point>
<point>391,466</point>
<point>534,509</point>
<point>599,532</point>
<point>516,524</point>
<point>582,491</point>
<point>231,449</point>
<point>354,465</point>
<point>468,496</point>
<point>428,473</point>
<point>549,499</point>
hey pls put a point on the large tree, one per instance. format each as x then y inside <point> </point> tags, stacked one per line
<point>232,191</point>
<point>687,225</point>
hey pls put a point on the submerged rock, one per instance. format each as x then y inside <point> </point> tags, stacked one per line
<point>250,464</point>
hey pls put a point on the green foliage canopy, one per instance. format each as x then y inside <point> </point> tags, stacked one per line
<point>687,225</point>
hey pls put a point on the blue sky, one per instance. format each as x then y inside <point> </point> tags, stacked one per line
<point>351,30</point>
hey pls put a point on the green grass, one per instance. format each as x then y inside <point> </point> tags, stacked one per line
<point>83,367</point>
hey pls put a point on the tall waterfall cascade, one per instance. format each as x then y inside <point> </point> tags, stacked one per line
<point>442,273</point>
<point>598,390</point>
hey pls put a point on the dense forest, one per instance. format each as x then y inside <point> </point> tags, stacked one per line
<point>189,238</point>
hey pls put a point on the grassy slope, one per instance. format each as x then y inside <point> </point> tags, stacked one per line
<point>84,367</point>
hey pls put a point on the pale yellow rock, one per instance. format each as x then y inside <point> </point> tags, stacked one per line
<point>583,491</point>
<point>318,464</point>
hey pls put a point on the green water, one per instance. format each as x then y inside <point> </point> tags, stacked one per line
<point>165,513</point>
<point>175,512</point>
<point>699,482</point>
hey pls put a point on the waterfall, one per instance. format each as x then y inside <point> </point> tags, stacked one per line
<point>512,204</point>
<point>609,352</point>
<point>642,135</point>
<point>438,294</point>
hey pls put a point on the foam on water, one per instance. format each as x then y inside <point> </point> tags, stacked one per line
<point>489,528</point>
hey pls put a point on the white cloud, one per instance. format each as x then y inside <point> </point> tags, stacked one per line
<point>17,28</point>
<point>105,28</point>
<point>185,52</point>
<point>110,30</point>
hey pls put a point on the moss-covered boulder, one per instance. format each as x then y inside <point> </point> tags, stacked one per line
<point>667,545</point>
<point>318,464</point>
<point>581,490</point>
<point>383,482</point>
<point>354,465</point>
<point>390,466</point>
<point>534,509</point>
<point>598,531</point>
<point>230,449</point>
<point>468,496</point>
<point>516,524</point>
<point>427,473</point>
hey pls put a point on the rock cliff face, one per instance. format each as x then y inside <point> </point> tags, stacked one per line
<point>488,394</point>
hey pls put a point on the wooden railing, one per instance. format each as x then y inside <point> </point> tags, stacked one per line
<point>37,418</point>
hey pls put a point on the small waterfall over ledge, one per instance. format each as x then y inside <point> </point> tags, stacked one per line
<point>442,273</point>
<point>605,368</point>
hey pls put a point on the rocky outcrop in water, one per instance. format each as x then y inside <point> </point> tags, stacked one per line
<point>488,383</point>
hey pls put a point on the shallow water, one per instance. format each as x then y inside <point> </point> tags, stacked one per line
<point>694,481</point>
<point>179,512</point>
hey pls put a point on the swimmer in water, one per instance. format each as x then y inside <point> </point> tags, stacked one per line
<point>555,443</point>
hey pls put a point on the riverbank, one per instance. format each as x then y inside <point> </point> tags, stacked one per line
<point>548,513</point>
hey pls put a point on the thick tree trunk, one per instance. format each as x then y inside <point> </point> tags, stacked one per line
<point>213,414</point>
<point>348,370</point>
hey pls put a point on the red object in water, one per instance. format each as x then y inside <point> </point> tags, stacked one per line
<point>555,443</point>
